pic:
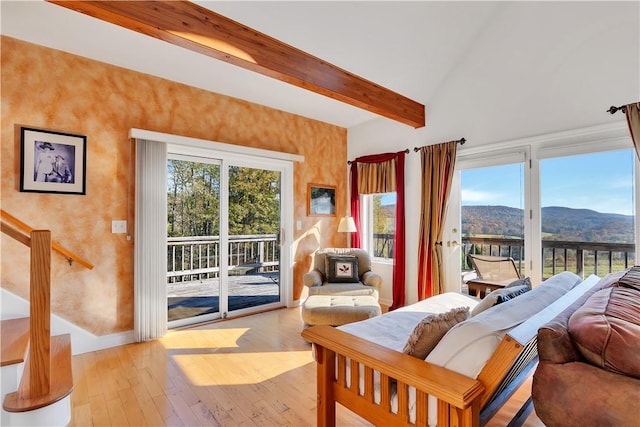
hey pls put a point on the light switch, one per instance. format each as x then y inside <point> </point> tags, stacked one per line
<point>298,225</point>
<point>118,226</point>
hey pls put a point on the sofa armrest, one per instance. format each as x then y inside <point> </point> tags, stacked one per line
<point>313,278</point>
<point>370,278</point>
<point>555,344</point>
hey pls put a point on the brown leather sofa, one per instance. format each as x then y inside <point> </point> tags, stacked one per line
<point>589,368</point>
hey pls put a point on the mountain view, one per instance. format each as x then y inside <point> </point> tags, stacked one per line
<point>558,223</point>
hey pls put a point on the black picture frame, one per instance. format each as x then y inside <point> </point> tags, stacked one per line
<point>52,162</point>
<point>321,200</point>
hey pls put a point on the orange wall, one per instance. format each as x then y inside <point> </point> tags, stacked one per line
<point>50,89</point>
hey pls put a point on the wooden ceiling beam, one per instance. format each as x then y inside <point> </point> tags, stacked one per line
<point>193,27</point>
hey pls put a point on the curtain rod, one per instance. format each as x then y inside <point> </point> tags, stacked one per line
<point>461,141</point>
<point>613,109</point>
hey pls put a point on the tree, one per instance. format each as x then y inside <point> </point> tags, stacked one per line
<point>193,195</point>
<point>254,201</point>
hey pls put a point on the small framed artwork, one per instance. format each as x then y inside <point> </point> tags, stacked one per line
<point>321,200</point>
<point>52,162</point>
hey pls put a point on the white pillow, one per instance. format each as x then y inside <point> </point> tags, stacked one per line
<point>468,345</point>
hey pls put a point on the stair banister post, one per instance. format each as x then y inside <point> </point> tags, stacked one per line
<point>40,312</point>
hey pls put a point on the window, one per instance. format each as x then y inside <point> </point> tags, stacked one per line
<point>587,213</point>
<point>379,224</point>
<point>575,194</point>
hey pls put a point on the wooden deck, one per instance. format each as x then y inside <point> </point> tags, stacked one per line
<point>243,285</point>
<point>195,298</point>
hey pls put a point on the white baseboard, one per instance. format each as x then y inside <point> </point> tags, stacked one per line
<point>82,341</point>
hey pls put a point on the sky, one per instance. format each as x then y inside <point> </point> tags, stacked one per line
<point>602,182</point>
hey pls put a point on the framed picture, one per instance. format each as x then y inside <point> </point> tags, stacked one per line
<point>52,162</point>
<point>321,200</point>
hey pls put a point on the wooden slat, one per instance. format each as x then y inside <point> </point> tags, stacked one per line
<point>369,392</point>
<point>61,380</point>
<point>56,246</point>
<point>196,28</point>
<point>422,409</point>
<point>385,392</point>
<point>15,338</point>
<point>354,380</point>
<point>403,402</point>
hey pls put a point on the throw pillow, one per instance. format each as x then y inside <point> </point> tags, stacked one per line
<point>342,268</point>
<point>606,329</point>
<point>428,333</point>
<point>524,281</point>
<point>498,297</point>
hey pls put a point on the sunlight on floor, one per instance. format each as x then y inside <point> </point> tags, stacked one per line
<point>239,368</point>
<point>213,339</point>
<point>226,364</point>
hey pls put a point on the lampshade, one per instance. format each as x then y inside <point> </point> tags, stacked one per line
<point>347,225</point>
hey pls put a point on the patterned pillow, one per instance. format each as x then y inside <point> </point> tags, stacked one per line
<point>428,333</point>
<point>524,281</point>
<point>498,297</point>
<point>342,268</point>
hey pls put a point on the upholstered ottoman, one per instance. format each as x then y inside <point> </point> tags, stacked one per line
<point>336,310</point>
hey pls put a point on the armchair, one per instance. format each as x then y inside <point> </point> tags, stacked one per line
<point>322,280</point>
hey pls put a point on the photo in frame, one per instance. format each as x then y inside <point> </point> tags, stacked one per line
<point>52,162</point>
<point>321,200</point>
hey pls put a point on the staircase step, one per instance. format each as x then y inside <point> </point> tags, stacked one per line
<point>15,339</point>
<point>61,380</point>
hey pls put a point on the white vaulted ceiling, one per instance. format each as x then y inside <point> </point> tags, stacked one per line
<point>511,68</point>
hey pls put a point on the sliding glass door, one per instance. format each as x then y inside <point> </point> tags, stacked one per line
<point>223,238</point>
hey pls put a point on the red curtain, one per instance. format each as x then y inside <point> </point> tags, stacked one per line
<point>399,238</point>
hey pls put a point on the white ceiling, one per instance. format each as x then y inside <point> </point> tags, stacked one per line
<point>492,58</point>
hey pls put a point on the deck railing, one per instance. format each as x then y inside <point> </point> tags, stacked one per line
<point>197,257</point>
<point>383,245</point>
<point>582,258</point>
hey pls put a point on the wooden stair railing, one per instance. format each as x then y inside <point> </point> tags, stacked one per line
<point>47,376</point>
<point>15,222</point>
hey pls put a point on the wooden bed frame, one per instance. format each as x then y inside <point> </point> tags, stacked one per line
<point>462,401</point>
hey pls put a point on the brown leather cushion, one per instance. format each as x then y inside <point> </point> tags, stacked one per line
<point>606,330</point>
<point>631,279</point>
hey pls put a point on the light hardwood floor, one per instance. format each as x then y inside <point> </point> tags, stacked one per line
<point>250,371</point>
